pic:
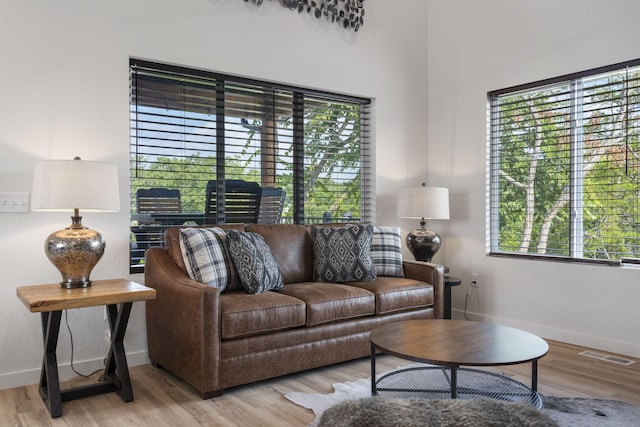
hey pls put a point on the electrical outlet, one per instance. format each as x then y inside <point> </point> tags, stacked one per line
<point>475,280</point>
<point>14,202</point>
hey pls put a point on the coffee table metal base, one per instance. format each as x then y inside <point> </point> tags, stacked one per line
<point>435,382</point>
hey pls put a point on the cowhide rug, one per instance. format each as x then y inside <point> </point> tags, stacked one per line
<point>384,412</point>
<point>563,410</point>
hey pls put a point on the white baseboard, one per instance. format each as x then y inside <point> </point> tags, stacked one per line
<point>32,376</point>
<point>563,335</point>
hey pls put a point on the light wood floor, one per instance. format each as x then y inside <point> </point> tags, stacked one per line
<point>163,400</point>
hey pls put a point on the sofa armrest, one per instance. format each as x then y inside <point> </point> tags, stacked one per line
<point>183,323</point>
<point>430,273</point>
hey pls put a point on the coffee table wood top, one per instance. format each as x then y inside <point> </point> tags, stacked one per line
<point>458,342</point>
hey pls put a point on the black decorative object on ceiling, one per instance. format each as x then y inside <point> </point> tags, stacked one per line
<point>348,13</point>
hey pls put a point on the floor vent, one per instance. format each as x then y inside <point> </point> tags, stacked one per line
<point>608,358</point>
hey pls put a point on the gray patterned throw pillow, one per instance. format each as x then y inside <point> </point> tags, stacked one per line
<point>342,254</point>
<point>252,257</point>
<point>205,255</point>
<point>386,251</point>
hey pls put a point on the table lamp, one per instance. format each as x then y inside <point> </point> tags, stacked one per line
<point>424,203</point>
<point>68,186</point>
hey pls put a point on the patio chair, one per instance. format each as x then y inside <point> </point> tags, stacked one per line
<point>241,202</point>
<point>271,205</point>
<point>158,200</point>
<point>150,201</point>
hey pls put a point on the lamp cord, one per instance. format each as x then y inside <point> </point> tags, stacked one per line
<point>66,320</point>
<point>466,300</point>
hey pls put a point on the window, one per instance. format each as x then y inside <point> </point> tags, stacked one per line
<point>564,167</point>
<point>192,128</point>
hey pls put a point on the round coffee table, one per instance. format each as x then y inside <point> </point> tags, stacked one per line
<point>450,344</point>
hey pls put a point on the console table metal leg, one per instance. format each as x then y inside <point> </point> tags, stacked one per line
<point>454,382</point>
<point>116,368</point>
<point>374,391</point>
<point>534,375</point>
<point>447,302</point>
<point>49,380</point>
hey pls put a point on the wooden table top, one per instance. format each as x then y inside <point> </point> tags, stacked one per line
<point>458,342</point>
<point>53,297</point>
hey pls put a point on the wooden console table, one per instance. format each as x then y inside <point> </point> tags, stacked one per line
<point>50,300</point>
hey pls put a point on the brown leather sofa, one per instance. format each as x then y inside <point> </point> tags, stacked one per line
<point>216,340</point>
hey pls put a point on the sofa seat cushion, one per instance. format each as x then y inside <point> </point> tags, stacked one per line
<point>329,302</point>
<point>396,294</point>
<point>245,314</point>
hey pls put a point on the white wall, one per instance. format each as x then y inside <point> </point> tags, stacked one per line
<point>64,92</point>
<point>477,46</point>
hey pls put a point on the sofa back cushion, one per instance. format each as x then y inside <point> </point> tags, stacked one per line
<point>292,248</point>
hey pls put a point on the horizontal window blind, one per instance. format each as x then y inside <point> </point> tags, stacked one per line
<point>190,127</point>
<point>564,167</point>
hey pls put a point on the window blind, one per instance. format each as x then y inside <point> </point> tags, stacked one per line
<point>564,168</point>
<point>190,126</point>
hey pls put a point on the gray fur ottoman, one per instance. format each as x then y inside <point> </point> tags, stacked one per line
<point>386,412</point>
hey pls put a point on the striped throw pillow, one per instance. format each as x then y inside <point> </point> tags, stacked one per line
<point>207,258</point>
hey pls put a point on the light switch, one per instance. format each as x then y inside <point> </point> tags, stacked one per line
<point>14,202</point>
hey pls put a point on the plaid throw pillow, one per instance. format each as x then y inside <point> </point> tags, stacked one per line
<point>386,251</point>
<point>257,269</point>
<point>205,254</point>
<point>342,254</point>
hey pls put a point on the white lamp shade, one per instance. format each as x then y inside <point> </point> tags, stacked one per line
<point>425,202</point>
<point>65,185</point>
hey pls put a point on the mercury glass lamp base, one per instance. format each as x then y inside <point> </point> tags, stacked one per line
<point>75,251</point>
<point>423,244</point>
